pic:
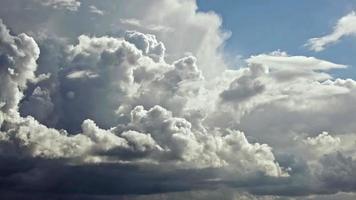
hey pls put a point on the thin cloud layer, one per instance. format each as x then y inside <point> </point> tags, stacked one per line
<point>71,5</point>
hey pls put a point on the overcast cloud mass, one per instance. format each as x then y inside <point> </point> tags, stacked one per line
<point>136,100</point>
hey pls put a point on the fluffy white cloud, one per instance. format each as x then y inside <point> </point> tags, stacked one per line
<point>346,26</point>
<point>18,55</point>
<point>148,44</point>
<point>203,149</point>
<point>153,135</point>
<point>126,98</point>
<point>179,24</point>
<point>323,143</point>
<point>193,31</point>
<point>27,137</point>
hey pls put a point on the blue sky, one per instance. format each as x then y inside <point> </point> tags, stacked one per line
<point>264,26</point>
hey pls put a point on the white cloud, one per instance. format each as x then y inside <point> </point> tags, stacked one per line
<point>153,135</point>
<point>346,26</point>
<point>195,32</point>
<point>18,65</point>
<point>282,61</point>
<point>129,98</point>
<point>71,5</point>
<point>135,23</point>
<point>148,44</point>
<point>95,10</point>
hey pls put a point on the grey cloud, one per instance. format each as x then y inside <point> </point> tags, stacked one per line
<point>39,104</point>
<point>337,172</point>
<point>148,44</point>
<point>245,86</point>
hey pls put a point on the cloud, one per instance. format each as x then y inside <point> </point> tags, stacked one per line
<point>18,57</point>
<point>148,44</point>
<point>152,137</point>
<point>245,86</point>
<point>95,10</point>
<point>196,33</point>
<point>323,143</point>
<point>282,60</point>
<point>96,111</point>
<point>343,28</point>
<point>152,27</point>
<point>71,5</point>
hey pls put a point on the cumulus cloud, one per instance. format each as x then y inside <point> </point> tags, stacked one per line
<point>153,136</point>
<point>197,33</point>
<point>148,44</point>
<point>18,55</point>
<point>93,112</point>
<point>343,28</point>
<point>323,143</point>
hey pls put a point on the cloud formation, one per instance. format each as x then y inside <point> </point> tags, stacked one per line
<point>343,28</point>
<point>96,115</point>
<point>152,136</point>
<point>71,5</point>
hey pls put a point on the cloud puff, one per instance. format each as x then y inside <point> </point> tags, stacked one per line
<point>323,143</point>
<point>344,27</point>
<point>148,44</point>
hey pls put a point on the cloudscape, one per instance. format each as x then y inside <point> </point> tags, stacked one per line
<point>177,99</point>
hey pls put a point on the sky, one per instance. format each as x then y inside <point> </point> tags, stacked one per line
<point>177,99</point>
<point>259,27</point>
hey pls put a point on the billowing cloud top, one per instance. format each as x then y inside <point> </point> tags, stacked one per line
<point>88,114</point>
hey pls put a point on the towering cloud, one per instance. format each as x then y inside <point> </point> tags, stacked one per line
<point>152,136</point>
<point>100,113</point>
<point>18,57</point>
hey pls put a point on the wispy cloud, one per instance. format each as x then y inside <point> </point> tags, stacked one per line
<point>71,5</point>
<point>346,26</point>
<point>94,9</point>
<point>152,27</point>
